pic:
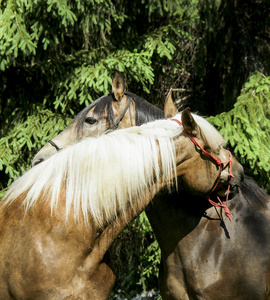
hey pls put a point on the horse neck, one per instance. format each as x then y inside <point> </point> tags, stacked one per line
<point>180,213</point>
<point>113,229</point>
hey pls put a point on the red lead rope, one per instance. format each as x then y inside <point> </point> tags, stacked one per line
<point>220,164</point>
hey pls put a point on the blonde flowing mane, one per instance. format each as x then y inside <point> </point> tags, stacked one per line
<point>104,175</point>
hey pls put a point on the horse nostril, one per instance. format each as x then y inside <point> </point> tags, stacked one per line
<point>36,162</point>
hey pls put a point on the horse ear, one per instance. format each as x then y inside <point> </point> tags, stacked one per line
<point>118,85</point>
<point>189,123</point>
<point>170,110</point>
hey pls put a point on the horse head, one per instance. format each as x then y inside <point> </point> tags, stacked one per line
<point>205,165</point>
<point>119,109</point>
<point>207,142</point>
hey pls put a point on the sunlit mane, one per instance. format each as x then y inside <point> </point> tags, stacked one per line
<point>213,138</point>
<point>104,175</point>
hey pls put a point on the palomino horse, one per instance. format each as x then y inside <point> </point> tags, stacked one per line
<point>64,213</point>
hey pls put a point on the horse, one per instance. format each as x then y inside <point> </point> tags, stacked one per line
<point>206,256</point>
<point>65,212</point>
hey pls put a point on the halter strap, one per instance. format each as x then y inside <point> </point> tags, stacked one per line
<point>54,145</point>
<point>115,125</point>
<point>220,164</point>
<point>112,127</point>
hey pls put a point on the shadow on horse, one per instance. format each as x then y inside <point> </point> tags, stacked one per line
<point>204,256</point>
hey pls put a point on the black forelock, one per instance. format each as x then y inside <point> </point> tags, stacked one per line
<point>99,106</point>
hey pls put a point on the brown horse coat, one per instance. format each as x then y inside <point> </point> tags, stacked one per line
<point>207,257</point>
<point>52,246</point>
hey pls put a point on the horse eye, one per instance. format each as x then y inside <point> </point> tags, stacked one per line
<point>90,120</point>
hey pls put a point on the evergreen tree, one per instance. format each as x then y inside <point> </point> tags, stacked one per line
<point>246,128</point>
<point>58,56</point>
<point>234,43</point>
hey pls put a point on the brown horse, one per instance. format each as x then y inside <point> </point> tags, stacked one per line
<point>64,213</point>
<point>206,256</point>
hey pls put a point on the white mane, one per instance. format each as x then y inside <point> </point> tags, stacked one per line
<point>210,133</point>
<point>104,175</point>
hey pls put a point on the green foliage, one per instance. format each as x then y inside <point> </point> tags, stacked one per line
<point>246,127</point>
<point>57,56</point>
<point>20,145</point>
<point>30,25</point>
<point>149,255</point>
<point>136,256</point>
<point>97,77</point>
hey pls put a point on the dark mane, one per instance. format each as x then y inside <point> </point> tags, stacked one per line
<point>145,111</point>
<point>253,194</point>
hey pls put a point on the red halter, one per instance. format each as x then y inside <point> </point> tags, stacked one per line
<point>220,164</point>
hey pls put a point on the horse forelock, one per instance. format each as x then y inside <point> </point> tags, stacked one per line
<point>102,176</point>
<point>103,107</point>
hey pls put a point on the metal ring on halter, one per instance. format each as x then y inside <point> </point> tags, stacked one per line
<point>54,145</point>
